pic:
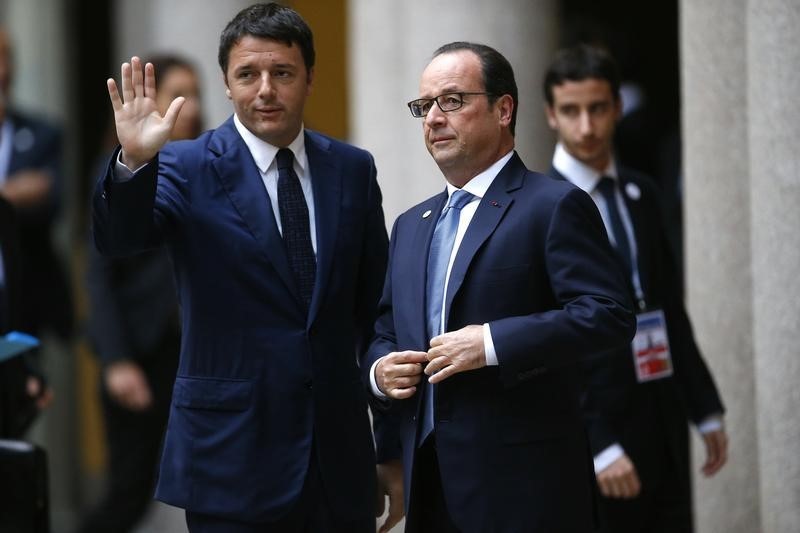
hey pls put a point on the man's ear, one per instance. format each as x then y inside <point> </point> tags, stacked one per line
<point>618,108</point>
<point>310,81</point>
<point>551,116</point>
<point>505,107</point>
<point>227,87</point>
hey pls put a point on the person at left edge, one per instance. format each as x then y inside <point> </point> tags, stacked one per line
<point>31,181</point>
<point>268,428</point>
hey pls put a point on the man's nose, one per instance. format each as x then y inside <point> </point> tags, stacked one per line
<point>435,116</point>
<point>266,87</point>
<point>585,123</point>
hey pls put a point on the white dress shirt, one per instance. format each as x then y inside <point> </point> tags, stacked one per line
<point>477,186</point>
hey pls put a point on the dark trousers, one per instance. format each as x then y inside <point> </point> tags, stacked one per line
<point>311,513</point>
<point>665,503</point>
<point>134,442</point>
<point>427,509</point>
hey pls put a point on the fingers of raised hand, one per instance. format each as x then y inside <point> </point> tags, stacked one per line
<point>138,76</point>
<point>149,81</point>
<point>137,81</point>
<point>113,93</point>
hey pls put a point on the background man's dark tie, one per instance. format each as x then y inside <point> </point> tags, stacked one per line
<point>607,186</point>
<point>295,225</point>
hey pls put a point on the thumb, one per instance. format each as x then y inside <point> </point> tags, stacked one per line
<point>174,108</point>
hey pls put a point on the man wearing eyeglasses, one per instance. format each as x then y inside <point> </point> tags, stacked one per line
<point>497,286</point>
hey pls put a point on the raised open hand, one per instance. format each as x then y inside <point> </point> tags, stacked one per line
<point>141,129</point>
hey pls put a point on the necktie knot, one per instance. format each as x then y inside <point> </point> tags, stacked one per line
<point>285,158</point>
<point>460,198</point>
<point>606,186</point>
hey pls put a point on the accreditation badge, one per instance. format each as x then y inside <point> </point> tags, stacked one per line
<point>651,355</point>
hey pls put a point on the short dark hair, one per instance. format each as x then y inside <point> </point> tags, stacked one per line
<point>578,63</point>
<point>267,21</point>
<point>498,76</point>
<point>162,63</point>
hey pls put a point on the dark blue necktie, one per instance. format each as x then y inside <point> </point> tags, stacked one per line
<point>438,259</point>
<point>295,225</point>
<point>607,186</point>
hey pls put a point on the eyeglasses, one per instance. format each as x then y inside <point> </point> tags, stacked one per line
<point>446,102</point>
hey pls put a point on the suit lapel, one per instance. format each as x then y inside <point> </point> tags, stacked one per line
<point>490,211</point>
<point>326,180</point>
<point>241,178</point>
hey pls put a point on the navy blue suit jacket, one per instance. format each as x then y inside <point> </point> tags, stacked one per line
<point>258,380</point>
<point>535,264</point>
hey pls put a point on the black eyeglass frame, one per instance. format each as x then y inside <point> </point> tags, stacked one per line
<point>461,95</point>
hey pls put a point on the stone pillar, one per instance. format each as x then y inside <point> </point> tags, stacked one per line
<point>773,58</point>
<point>390,45</point>
<point>718,246</point>
<point>741,191</point>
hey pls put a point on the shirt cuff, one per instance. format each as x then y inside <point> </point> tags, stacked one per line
<point>121,172</point>
<point>604,459</point>
<point>488,346</point>
<point>710,423</point>
<point>373,383</point>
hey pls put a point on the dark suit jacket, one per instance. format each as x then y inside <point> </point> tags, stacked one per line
<point>536,265</point>
<point>642,417</point>
<point>9,252</point>
<point>17,409</point>
<point>258,380</point>
<point>133,304</point>
<point>47,302</point>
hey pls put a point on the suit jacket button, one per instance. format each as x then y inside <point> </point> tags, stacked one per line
<point>309,384</point>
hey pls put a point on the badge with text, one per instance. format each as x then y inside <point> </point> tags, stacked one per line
<point>651,355</point>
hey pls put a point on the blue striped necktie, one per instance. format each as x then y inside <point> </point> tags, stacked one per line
<point>438,259</point>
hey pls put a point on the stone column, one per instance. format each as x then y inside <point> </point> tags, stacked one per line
<point>741,195</point>
<point>773,58</point>
<point>390,45</point>
<point>718,246</point>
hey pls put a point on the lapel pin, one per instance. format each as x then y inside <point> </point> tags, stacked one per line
<point>426,214</point>
<point>494,203</point>
<point>633,191</point>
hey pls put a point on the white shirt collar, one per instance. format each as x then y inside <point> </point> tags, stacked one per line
<point>579,173</point>
<point>478,185</point>
<point>264,153</point>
